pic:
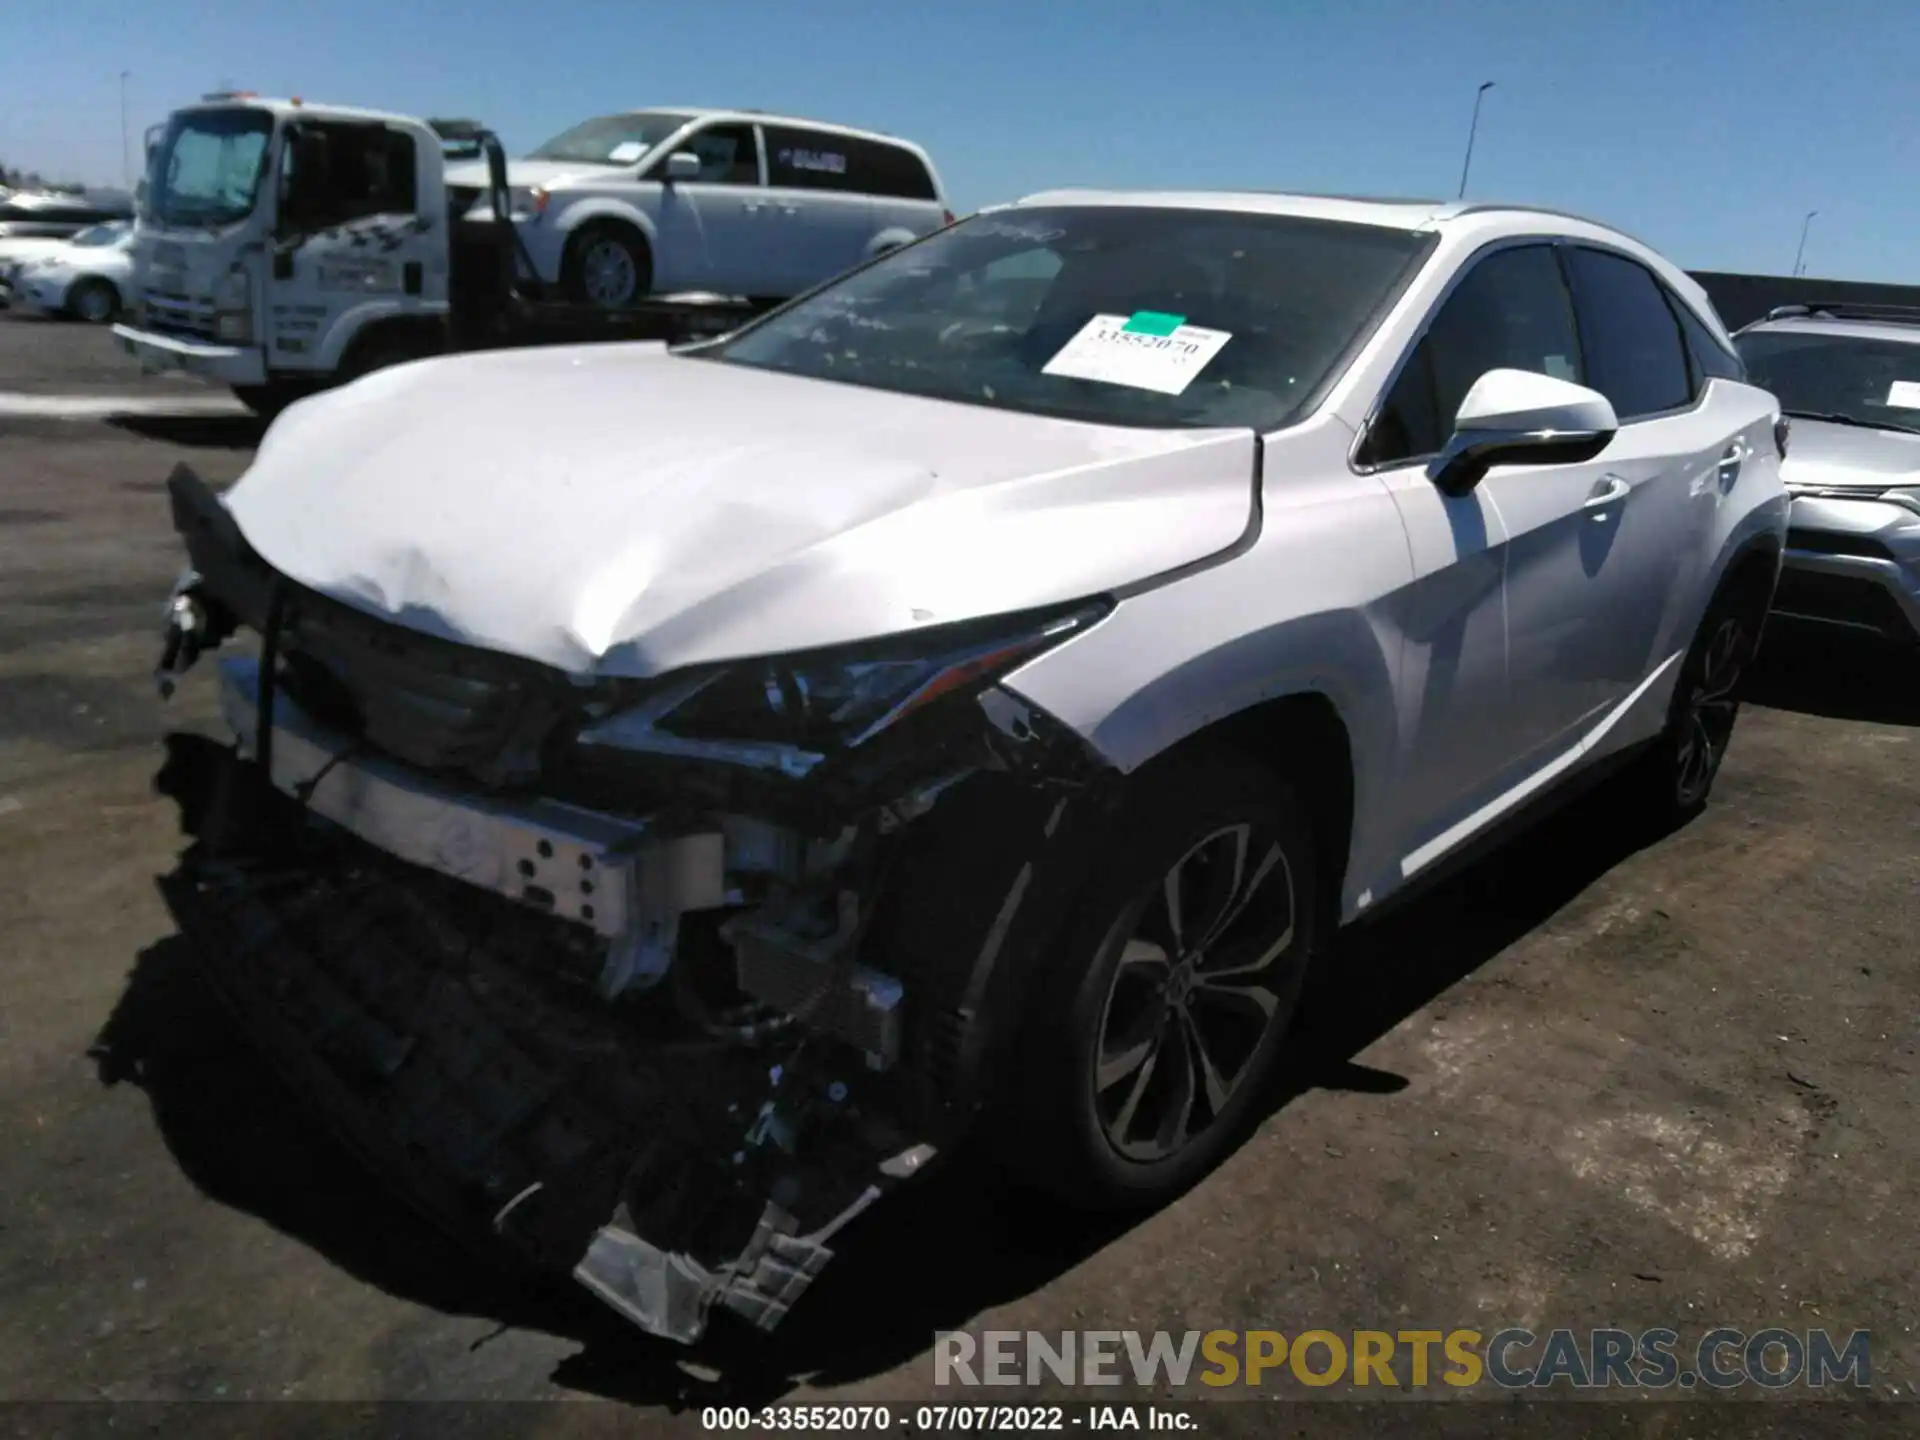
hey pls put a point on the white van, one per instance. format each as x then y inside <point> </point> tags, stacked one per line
<point>729,201</point>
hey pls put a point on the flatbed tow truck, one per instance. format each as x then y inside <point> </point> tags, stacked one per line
<point>284,247</point>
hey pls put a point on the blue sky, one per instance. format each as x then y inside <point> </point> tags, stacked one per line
<point>1706,127</point>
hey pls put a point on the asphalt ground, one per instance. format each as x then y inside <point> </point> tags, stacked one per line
<point>1588,1084</point>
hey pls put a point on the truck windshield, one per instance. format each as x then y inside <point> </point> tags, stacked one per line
<point>612,139</point>
<point>208,166</point>
<point>1158,317</point>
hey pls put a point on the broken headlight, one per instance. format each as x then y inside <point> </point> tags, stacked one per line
<point>831,700</point>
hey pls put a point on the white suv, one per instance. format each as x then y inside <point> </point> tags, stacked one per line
<point>973,693</point>
<point>730,201</point>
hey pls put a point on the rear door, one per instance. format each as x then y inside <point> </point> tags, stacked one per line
<point>1679,444</point>
<point>819,218</point>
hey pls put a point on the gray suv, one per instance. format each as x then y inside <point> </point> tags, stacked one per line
<point>1849,379</point>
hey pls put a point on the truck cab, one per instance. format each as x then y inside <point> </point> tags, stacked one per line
<point>281,246</point>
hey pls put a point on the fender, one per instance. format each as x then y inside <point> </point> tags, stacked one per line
<point>600,207</point>
<point>351,324</point>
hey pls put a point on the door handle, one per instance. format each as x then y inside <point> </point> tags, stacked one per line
<point>752,207</point>
<point>1606,490</point>
<point>1729,468</point>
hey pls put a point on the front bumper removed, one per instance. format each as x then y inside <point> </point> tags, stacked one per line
<point>667,1172</point>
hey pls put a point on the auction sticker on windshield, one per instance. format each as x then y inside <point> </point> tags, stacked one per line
<point>1904,395</point>
<point>1146,351</point>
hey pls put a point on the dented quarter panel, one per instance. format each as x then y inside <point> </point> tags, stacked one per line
<point>743,512</point>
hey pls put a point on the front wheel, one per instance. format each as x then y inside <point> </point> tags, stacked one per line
<point>607,266</point>
<point>1161,1014</point>
<point>94,301</point>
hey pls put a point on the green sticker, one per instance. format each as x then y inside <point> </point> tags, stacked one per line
<point>1154,322</point>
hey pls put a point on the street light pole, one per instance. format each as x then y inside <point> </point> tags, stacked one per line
<point>1800,255</point>
<point>126,146</point>
<point>1472,130</point>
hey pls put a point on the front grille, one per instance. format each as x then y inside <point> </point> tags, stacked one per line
<point>171,314</point>
<point>436,705</point>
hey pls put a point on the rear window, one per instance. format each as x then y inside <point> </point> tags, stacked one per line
<point>816,160</point>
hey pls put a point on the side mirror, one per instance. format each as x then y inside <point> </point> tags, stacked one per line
<point>1517,417</point>
<point>683,165</point>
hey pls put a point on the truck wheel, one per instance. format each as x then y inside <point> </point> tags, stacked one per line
<point>94,301</point>
<point>1156,1020</point>
<point>607,266</point>
<point>268,400</point>
<point>379,352</point>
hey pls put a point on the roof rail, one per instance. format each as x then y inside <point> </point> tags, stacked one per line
<point>1846,310</point>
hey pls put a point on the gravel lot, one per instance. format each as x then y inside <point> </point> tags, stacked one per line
<point>1584,1085</point>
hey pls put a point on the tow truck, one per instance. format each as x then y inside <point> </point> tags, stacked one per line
<point>284,247</point>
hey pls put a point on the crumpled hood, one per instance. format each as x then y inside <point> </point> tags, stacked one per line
<point>527,172</point>
<point>1823,455</point>
<point>614,509</point>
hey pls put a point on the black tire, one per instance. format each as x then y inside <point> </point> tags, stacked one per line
<point>593,256</point>
<point>1673,780</point>
<point>380,352</point>
<point>94,300</point>
<point>267,400</point>
<point>1204,817</point>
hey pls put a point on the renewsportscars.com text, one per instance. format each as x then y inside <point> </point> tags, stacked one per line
<point>1510,1359</point>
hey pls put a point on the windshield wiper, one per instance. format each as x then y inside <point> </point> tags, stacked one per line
<point>1834,417</point>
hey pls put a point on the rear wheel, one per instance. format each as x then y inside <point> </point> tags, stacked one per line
<point>607,266</point>
<point>94,301</point>
<point>1676,776</point>
<point>1158,1019</point>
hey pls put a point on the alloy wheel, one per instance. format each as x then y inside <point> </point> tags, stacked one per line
<point>607,273</point>
<point>1712,705</point>
<point>93,304</point>
<point>1195,991</point>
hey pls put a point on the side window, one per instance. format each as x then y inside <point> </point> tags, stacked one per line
<point>1510,312</point>
<point>1711,359</point>
<point>1634,353</point>
<point>727,154</point>
<point>889,171</point>
<point>808,160</point>
<point>344,172</point>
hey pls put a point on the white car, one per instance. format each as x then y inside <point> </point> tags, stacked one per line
<point>1849,379</point>
<point>1004,669</point>
<point>727,201</point>
<point>87,277</point>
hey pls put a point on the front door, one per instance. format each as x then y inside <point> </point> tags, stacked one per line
<point>713,228</point>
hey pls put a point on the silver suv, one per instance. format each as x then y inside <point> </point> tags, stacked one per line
<point>706,784</point>
<point>1849,376</point>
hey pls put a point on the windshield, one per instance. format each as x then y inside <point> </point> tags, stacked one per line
<point>1856,378</point>
<point>100,235</point>
<point>207,169</point>
<point>612,139</point>
<point>1170,318</point>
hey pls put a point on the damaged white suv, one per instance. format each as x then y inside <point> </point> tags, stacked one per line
<point>705,783</point>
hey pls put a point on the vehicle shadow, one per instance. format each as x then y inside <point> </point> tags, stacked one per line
<point>932,1257</point>
<point>1836,675</point>
<point>200,432</point>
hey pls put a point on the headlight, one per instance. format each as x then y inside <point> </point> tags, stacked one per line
<point>813,704</point>
<point>233,307</point>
